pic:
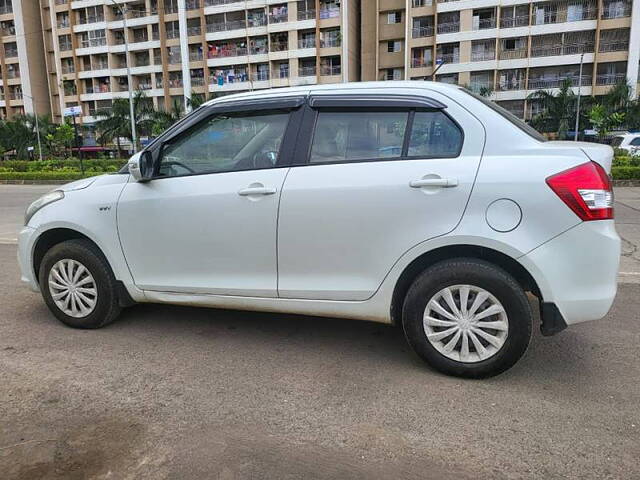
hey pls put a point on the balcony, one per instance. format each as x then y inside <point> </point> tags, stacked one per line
<point>93,42</point>
<point>227,52</point>
<point>15,96</point>
<point>307,71</point>
<point>91,19</point>
<point>451,27</point>
<point>329,13</point>
<point>619,46</point>
<point>615,10</point>
<point>175,83</point>
<point>306,15</point>
<point>6,9</point>
<point>279,46</point>
<point>307,43</point>
<point>211,3</point>
<point>421,62</point>
<point>512,22</point>
<point>61,24</point>
<point>485,23</point>
<point>511,84</point>
<point>173,33</point>
<point>103,65</point>
<point>448,58</point>
<point>279,18</point>
<point>543,83</point>
<point>610,78</point>
<point>65,46</point>
<point>258,50</point>
<point>226,26</point>
<point>483,55</point>
<point>68,68</point>
<point>260,76</point>
<point>193,4</point>
<point>544,14</point>
<point>197,81</point>
<point>10,52</point>
<point>193,31</point>
<point>195,56</point>
<point>419,32</point>
<point>330,70</point>
<point>259,21</point>
<point>330,42</point>
<point>512,54</point>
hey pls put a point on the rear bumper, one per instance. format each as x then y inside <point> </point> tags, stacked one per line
<point>577,272</point>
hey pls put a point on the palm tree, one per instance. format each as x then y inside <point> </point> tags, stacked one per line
<point>114,123</point>
<point>163,119</point>
<point>558,111</point>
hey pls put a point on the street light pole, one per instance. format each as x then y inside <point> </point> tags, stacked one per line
<point>575,137</point>
<point>35,114</point>
<point>134,135</point>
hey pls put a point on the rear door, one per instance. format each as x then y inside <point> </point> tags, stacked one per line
<point>370,181</point>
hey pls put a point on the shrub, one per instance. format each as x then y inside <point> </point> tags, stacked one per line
<point>54,164</point>
<point>626,173</point>
<point>60,175</point>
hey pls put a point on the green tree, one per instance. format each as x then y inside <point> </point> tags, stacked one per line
<point>114,123</point>
<point>558,111</point>
<point>60,139</point>
<point>604,121</point>
<point>161,119</point>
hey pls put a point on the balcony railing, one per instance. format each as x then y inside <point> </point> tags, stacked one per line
<point>448,58</point>
<point>226,26</point>
<point>175,83</point>
<point>328,70</point>
<point>258,50</point>
<point>486,23</point>
<point>257,22</point>
<point>330,42</point>
<point>620,46</point>
<point>65,46</point>
<point>6,9</point>
<point>260,76</point>
<point>478,86</point>
<point>279,18</point>
<point>329,13</point>
<point>481,56</point>
<point>610,78</point>
<point>557,82</point>
<point>60,24</point>
<point>193,4</point>
<point>307,43</point>
<point>518,84</point>
<point>69,68</point>
<point>193,31</point>
<point>10,52</point>
<point>451,27</point>
<point>92,19</point>
<point>561,16</point>
<point>616,12</point>
<point>195,56</point>
<point>284,73</point>
<point>15,96</point>
<point>421,62</point>
<point>197,81</point>
<point>421,3</point>
<point>144,86</point>
<point>140,38</point>
<point>306,14</point>
<point>174,33</point>
<point>511,22</point>
<point>104,65</point>
<point>419,32</point>
<point>512,54</point>
<point>227,52</point>
<point>210,3</point>
<point>306,71</point>
<point>94,42</point>
<point>279,46</point>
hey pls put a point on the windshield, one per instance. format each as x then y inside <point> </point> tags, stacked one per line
<point>529,130</point>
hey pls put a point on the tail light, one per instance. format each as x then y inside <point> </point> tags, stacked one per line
<point>586,189</point>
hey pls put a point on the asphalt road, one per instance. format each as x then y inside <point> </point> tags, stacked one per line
<point>181,393</point>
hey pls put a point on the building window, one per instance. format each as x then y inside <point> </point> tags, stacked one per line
<point>394,17</point>
<point>394,46</point>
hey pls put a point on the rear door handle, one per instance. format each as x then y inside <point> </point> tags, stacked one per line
<point>245,192</point>
<point>434,182</point>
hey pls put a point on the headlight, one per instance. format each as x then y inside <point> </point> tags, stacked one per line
<point>41,202</point>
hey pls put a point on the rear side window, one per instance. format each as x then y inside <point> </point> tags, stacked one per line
<point>351,136</point>
<point>635,142</point>
<point>433,134</point>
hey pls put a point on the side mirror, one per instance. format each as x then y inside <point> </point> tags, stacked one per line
<point>141,166</point>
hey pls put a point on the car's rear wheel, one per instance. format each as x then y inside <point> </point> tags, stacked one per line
<point>468,318</point>
<point>78,285</point>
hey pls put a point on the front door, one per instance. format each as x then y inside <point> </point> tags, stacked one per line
<point>207,222</point>
<point>376,181</point>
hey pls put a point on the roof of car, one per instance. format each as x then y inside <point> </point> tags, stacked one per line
<point>354,87</point>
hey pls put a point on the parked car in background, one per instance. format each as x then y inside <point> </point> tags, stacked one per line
<point>413,203</point>
<point>629,142</point>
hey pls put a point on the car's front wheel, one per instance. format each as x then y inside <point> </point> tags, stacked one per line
<point>468,318</point>
<point>78,285</point>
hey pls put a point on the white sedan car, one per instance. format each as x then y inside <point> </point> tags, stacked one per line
<point>411,203</point>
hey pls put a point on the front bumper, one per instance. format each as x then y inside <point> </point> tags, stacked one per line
<point>577,270</point>
<point>26,240</point>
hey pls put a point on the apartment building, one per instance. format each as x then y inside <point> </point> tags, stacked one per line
<point>23,85</point>
<point>182,47</point>
<point>504,48</point>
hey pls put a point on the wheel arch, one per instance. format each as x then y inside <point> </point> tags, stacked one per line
<point>420,263</point>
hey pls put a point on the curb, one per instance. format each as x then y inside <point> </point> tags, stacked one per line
<point>626,183</point>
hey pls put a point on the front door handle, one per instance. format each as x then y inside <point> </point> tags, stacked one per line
<point>434,182</point>
<point>245,192</point>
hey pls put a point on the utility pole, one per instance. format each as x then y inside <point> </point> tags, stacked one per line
<point>134,135</point>
<point>35,114</point>
<point>575,137</point>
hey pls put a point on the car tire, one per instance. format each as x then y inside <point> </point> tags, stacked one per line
<point>437,332</point>
<point>88,301</point>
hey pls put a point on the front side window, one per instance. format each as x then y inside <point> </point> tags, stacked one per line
<point>352,136</point>
<point>225,143</point>
<point>433,134</point>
